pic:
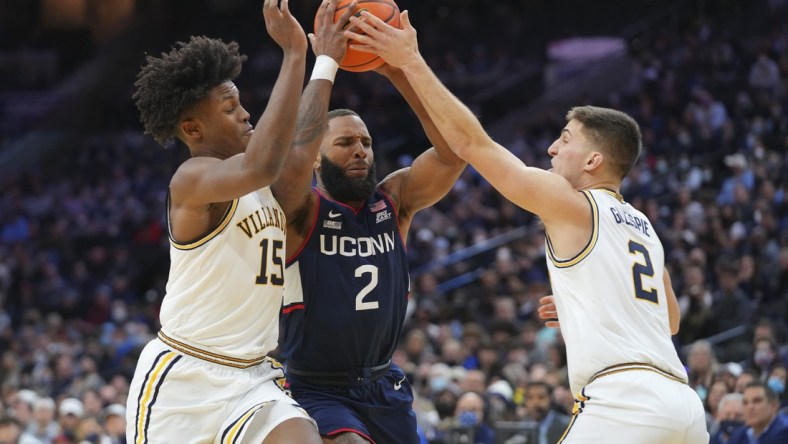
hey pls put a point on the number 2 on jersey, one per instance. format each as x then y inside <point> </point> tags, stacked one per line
<point>639,270</point>
<point>277,275</point>
<point>361,304</point>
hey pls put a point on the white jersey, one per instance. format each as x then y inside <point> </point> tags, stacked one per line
<point>224,291</point>
<point>611,298</point>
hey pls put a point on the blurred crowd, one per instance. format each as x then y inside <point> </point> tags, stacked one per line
<point>84,252</point>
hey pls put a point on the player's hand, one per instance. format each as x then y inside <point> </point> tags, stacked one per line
<point>373,35</point>
<point>329,38</point>
<point>548,311</point>
<point>283,27</point>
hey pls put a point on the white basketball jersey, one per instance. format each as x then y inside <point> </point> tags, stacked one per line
<point>224,291</point>
<point>611,297</point>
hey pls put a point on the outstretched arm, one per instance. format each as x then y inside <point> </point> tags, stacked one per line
<point>292,190</point>
<point>541,192</point>
<point>434,172</point>
<point>203,180</point>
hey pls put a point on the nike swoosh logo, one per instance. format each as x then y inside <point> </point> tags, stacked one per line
<point>398,384</point>
<point>333,214</point>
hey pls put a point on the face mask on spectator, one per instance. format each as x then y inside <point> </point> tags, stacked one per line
<point>467,419</point>
<point>444,409</point>
<point>728,426</point>
<point>438,384</point>
<point>776,384</point>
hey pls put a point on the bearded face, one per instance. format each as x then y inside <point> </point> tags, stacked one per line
<point>344,188</point>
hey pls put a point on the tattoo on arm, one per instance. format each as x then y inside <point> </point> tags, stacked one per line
<point>311,122</point>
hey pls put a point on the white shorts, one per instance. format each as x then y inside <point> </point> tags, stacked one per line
<point>175,397</point>
<point>637,406</point>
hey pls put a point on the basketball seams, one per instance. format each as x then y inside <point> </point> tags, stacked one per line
<point>360,2</point>
<point>357,61</point>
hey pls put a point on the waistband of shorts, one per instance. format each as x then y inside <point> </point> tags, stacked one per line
<point>351,378</point>
<point>613,369</point>
<point>208,356</point>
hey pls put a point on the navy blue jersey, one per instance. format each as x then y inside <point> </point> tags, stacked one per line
<point>346,288</point>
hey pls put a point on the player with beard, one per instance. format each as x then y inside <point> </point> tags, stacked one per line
<point>346,281</point>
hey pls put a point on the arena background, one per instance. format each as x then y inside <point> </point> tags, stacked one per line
<point>83,250</point>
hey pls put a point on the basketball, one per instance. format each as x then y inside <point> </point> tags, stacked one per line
<point>386,10</point>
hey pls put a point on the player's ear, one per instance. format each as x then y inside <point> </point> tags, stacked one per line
<point>190,130</point>
<point>316,165</point>
<point>594,160</point>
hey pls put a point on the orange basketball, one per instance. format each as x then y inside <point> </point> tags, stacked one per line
<point>385,10</point>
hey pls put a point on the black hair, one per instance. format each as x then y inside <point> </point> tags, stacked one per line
<point>171,85</point>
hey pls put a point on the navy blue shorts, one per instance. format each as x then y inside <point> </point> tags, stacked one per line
<point>380,411</point>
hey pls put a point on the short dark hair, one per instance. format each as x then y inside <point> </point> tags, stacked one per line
<point>341,112</point>
<point>170,85</point>
<point>771,395</point>
<point>547,387</point>
<point>616,134</point>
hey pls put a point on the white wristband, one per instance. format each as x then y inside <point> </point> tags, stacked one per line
<point>325,68</point>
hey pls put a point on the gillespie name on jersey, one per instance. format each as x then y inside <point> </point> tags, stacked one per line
<point>633,221</point>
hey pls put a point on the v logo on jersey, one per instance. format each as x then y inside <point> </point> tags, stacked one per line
<point>332,214</point>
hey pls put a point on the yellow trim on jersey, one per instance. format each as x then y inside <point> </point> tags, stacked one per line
<point>228,215</point>
<point>618,196</point>
<point>566,431</point>
<point>147,394</point>
<point>591,242</point>
<point>241,423</point>
<point>612,370</point>
<point>209,356</point>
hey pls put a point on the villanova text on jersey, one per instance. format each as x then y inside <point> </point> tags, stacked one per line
<point>265,216</point>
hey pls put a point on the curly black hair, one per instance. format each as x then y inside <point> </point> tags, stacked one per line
<point>170,85</point>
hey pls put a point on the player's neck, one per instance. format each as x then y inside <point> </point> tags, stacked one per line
<point>593,183</point>
<point>354,204</point>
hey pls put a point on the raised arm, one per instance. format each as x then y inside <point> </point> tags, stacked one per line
<point>205,179</point>
<point>541,192</point>
<point>292,189</point>
<point>434,172</point>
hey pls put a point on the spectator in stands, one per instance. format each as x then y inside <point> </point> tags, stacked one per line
<point>729,416</point>
<point>744,379</point>
<point>718,389</point>
<point>701,366</point>
<point>764,76</point>
<point>70,414</point>
<point>764,423</point>
<point>498,398</point>
<point>114,417</point>
<point>539,408</point>
<point>731,307</point>
<point>71,231</point>
<point>10,430</point>
<point>470,422</point>
<point>764,357</point>
<point>695,301</point>
<point>43,426</point>
<point>776,382</point>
